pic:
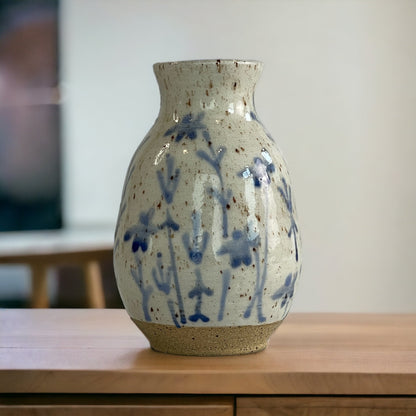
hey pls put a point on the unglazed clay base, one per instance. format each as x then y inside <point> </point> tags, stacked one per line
<point>211,341</point>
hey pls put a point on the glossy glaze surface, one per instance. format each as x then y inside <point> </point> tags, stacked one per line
<point>207,232</point>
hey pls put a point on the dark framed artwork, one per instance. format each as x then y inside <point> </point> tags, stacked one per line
<point>30,160</point>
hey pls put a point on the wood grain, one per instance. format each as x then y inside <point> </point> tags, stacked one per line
<point>325,406</point>
<point>101,351</point>
<point>121,406</point>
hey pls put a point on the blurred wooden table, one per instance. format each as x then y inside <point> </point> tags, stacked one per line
<point>43,250</point>
<point>95,362</point>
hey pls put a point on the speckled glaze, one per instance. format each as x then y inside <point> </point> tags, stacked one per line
<point>207,234</point>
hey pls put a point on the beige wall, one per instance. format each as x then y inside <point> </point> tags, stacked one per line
<point>338,92</point>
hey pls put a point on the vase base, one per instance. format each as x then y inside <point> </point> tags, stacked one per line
<point>211,341</point>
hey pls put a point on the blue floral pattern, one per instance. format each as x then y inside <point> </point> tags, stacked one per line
<point>141,232</point>
<point>286,193</point>
<point>162,276</point>
<point>197,292</point>
<point>243,247</point>
<point>188,127</point>
<point>285,293</point>
<point>146,291</point>
<point>196,245</point>
<point>239,249</point>
<point>260,170</point>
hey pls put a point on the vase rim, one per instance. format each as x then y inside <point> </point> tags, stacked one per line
<point>211,61</point>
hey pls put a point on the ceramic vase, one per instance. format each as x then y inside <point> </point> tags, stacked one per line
<point>207,247</point>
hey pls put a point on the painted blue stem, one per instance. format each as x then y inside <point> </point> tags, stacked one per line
<point>175,274</point>
<point>171,307</point>
<point>225,284</point>
<point>260,281</point>
<point>221,195</point>
<point>164,279</point>
<point>286,193</point>
<point>146,291</point>
<point>123,204</point>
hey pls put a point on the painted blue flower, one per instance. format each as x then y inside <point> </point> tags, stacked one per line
<point>285,293</point>
<point>197,244</point>
<point>261,169</point>
<point>238,249</point>
<point>141,232</point>
<point>286,193</point>
<point>197,292</point>
<point>188,127</point>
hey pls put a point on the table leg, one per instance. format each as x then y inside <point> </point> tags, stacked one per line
<point>40,298</point>
<point>94,285</point>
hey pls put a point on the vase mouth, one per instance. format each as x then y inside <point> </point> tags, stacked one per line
<point>210,61</point>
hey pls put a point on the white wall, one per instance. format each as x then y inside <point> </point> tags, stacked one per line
<point>338,91</point>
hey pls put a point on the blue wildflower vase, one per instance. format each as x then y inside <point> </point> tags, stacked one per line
<point>207,251</point>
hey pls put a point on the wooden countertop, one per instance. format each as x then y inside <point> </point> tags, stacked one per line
<point>101,351</point>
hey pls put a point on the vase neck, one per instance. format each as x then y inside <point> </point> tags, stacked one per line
<point>219,86</point>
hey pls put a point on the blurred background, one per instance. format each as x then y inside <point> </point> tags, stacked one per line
<point>338,92</point>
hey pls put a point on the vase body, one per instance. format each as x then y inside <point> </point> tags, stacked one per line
<point>207,248</point>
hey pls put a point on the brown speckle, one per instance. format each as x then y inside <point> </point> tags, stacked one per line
<point>159,205</point>
<point>237,151</point>
<point>234,200</point>
<point>234,85</point>
<point>188,103</point>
